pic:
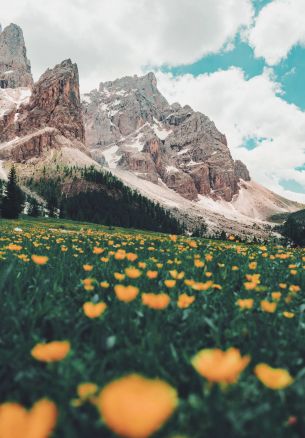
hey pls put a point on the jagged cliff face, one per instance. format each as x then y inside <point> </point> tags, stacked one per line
<point>47,122</point>
<point>15,68</point>
<point>130,125</point>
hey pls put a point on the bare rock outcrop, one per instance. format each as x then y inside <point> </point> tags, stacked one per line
<point>15,68</point>
<point>55,102</point>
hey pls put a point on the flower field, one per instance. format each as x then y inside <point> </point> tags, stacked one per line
<point>108,333</point>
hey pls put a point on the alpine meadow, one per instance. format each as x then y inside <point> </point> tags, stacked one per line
<point>152,219</point>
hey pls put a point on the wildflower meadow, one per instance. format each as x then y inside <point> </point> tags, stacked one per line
<point>121,333</point>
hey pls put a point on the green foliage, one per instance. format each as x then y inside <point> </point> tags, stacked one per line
<point>34,208</point>
<point>294,227</point>
<point>13,198</point>
<point>108,202</point>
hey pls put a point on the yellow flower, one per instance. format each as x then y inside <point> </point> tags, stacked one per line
<point>252,265</point>
<point>152,274</point>
<point>294,288</point>
<point>220,366</point>
<point>202,286</point>
<point>104,284</point>
<point>136,407</point>
<point>268,307</point>
<point>246,303</point>
<point>17,422</point>
<point>86,390</point>
<point>97,250</point>
<point>51,351</point>
<point>39,260</point>
<point>176,275</point>
<point>289,314</point>
<point>126,293</point>
<point>133,272</point>
<point>93,310</point>
<point>87,268</point>
<point>235,268</point>
<point>276,295</point>
<point>119,276</point>
<point>170,283</point>
<point>185,301</point>
<point>88,284</point>
<point>14,247</point>
<point>155,301</point>
<point>273,378</point>
<point>131,257</point>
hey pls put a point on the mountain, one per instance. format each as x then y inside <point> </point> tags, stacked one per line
<point>131,126</point>
<point>176,156</point>
<point>15,68</point>
<point>170,154</point>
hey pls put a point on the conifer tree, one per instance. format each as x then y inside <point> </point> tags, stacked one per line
<point>13,198</point>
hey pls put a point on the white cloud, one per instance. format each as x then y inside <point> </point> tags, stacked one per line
<point>113,38</point>
<point>278,27</point>
<point>244,109</point>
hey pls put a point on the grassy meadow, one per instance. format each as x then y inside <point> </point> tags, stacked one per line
<point>112,332</point>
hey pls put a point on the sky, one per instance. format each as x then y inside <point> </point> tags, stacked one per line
<point>240,62</point>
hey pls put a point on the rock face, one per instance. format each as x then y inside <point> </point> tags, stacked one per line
<point>50,119</point>
<point>15,68</point>
<point>55,102</point>
<point>130,125</point>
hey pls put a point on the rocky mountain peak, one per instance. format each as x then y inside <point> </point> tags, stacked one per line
<point>15,68</point>
<point>55,102</point>
<point>131,126</point>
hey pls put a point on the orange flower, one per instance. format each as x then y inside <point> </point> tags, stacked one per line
<point>252,265</point>
<point>119,276</point>
<point>220,366</point>
<point>88,284</point>
<point>51,351</point>
<point>276,295</point>
<point>289,315</point>
<point>14,247</point>
<point>86,390</point>
<point>198,263</point>
<point>294,288</point>
<point>131,257</point>
<point>170,283</point>
<point>97,250</point>
<point>40,260</point>
<point>104,284</point>
<point>246,303</point>
<point>176,275</point>
<point>273,378</point>
<point>17,422</point>
<point>133,272</point>
<point>202,286</point>
<point>268,307</point>
<point>136,407</point>
<point>152,274</point>
<point>93,310</point>
<point>156,301</point>
<point>87,268</point>
<point>126,293</point>
<point>185,301</point>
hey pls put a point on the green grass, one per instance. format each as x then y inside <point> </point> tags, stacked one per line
<point>44,303</point>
